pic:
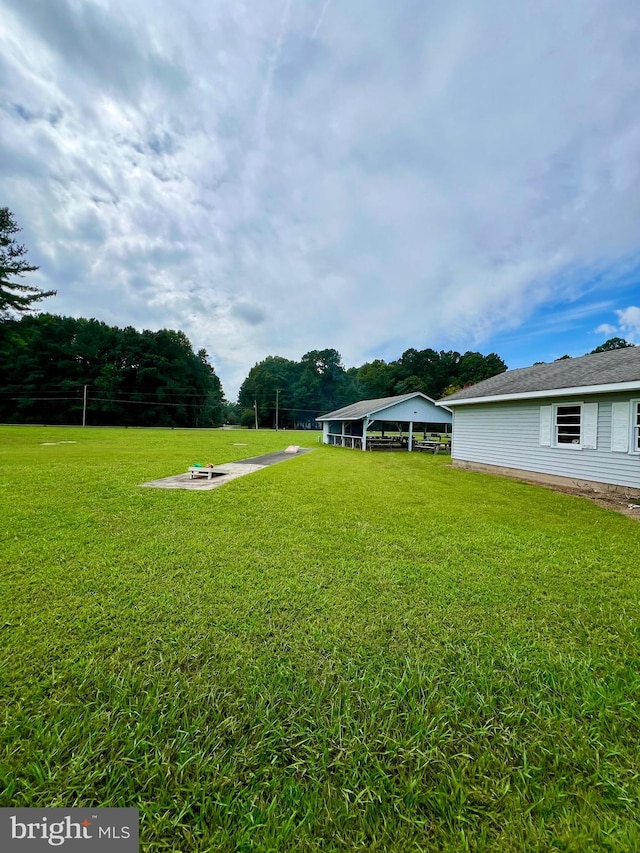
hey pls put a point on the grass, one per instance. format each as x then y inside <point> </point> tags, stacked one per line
<point>342,652</point>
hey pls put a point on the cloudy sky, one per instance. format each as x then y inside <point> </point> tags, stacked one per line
<point>275,176</point>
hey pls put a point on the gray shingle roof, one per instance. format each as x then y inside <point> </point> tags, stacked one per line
<point>602,368</point>
<point>356,411</point>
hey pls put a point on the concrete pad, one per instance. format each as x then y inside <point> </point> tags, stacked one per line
<point>229,471</point>
<point>273,458</point>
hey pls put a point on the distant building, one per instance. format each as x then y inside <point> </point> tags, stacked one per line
<point>413,413</point>
<point>573,419</point>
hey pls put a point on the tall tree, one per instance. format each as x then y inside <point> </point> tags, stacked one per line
<point>612,343</point>
<point>15,297</point>
<point>434,372</point>
<point>303,389</point>
<point>374,380</point>
<point>323,384</point>
<point>474,367</point>
<point>270,384</point>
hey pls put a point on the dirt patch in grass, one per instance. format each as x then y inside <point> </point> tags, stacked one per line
<point>626,503</point>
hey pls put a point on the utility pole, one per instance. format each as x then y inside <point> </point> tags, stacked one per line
<point>255,410</point>
<point>84,407</point>
<point>277,396</point>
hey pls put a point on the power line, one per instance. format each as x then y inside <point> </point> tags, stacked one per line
<point>145,402</point>
<point>65,390</point>
<point>49,399</point>
<point>78,399</point>
<point>293,409</point>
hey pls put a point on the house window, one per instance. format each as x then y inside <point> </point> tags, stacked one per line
<point>568,424</point>
<point>571,425</point>
<point>636,426</point>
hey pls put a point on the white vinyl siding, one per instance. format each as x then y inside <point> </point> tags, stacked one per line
<point>513,435</point>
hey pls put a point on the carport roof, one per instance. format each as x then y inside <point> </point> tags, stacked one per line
<point>367,408</point>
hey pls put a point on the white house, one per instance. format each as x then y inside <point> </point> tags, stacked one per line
<point>348,426</point>
<point>576,419</point>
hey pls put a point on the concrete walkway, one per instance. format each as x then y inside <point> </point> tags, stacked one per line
<point>224,473</point>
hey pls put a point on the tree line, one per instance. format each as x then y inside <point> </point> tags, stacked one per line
<point>299,391</point>
<point>65,369</point>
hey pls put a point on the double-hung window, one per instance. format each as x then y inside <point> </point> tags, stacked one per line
<point>568,425</point>
<point>635,425</point>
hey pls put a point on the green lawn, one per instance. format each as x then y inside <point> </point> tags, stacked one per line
<point>342,652</point>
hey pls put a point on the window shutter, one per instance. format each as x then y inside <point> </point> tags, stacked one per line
<point>620,414</point>
<point>589,426</point>
<point>545,425</point>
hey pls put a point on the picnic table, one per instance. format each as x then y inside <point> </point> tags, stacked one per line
<point>433,445</point>
<point>384,441</point>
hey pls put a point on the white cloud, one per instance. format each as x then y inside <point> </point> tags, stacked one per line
<point>630,323</point>
<point>606,329</point>
<point>355,175</point>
